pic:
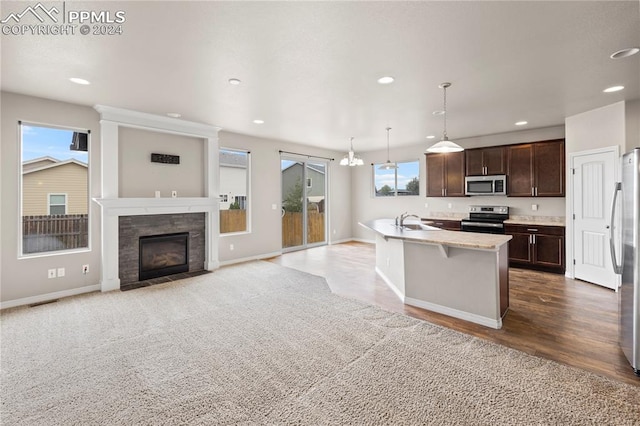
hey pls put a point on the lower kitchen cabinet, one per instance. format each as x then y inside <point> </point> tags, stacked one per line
<point>449,225</point>
<point>537,247</point>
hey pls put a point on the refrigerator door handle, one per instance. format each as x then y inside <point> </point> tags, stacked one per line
<point>617,268</point>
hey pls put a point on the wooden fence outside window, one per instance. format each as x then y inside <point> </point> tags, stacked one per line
<point>54,232</point>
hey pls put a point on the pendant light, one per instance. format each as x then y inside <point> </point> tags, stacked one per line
<point>388,165</point>
<point>351,159</point>
<point>445,145</point>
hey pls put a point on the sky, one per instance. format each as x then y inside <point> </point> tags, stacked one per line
<point>406,172</point>
<point>46,141</point>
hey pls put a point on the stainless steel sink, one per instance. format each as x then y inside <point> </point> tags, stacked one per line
<point>412,227</point>
<point>416,227</point>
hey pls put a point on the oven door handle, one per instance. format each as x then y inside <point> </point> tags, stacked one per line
<point>483,224</point>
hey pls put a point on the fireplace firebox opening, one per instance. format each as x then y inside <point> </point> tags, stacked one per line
<point>165,254</point>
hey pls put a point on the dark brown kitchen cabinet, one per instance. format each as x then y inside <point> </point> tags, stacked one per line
<point>537,247</point>
<point>536,169</point>
<point>449,225</point>
<point>445,174</point>
<point>486,161</point>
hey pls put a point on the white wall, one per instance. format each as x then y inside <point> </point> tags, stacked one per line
<point>27,277</point>
<point>367,207</point>
<point>266,227</point>
<point>139,177</point>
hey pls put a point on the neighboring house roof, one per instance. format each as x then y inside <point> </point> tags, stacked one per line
<point>35,167</point>
<point>230,159</point>
<point>311,166</point>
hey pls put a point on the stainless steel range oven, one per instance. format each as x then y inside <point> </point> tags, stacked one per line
<point>485,219</point>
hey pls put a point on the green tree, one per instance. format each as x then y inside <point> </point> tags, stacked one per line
<point>413,186</point>
<point>293,200</point>
<point>234,206</point>
<point>385,190</point>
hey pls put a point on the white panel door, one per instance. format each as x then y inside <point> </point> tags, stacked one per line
<point>593,181</point>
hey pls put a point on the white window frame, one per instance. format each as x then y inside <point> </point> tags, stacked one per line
<point>66,202</point>
<point>249,197</point>
<point>20,254</point>
<point>395,181</point>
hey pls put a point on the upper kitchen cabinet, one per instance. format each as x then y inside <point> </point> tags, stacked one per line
<point>486,161</point>
<point>445,174</point>
<point>536,169</point>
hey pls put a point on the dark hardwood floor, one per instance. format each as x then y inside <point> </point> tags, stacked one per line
<point>565,320</point>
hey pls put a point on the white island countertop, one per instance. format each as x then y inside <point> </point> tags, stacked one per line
<point>432,235</point>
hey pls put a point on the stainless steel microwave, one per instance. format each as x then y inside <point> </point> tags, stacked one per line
<point>485,185</point>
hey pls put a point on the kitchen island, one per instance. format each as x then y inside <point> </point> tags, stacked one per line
<point>461,274</point>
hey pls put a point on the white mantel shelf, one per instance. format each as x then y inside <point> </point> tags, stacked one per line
<point>142,206</point>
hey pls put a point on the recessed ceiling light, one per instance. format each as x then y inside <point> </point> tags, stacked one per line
<point>437,112</point>
<point>77,80</point>
<point>258,121</point>
<point>234,81</point>
<point>521,123</point>
<point>625,53</point>
<point>386,80</point>
<point>430,137</point>
<point>613,89</point>
<point>174,114</point>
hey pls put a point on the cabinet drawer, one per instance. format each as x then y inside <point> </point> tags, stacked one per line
<point>450,225</point>
<point>534,229</point>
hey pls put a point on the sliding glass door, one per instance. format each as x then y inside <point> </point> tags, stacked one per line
<point>304,200</point>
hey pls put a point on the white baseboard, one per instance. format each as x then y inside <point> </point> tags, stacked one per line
<point>49,296</point>
<point>344,240</point>
<point>478,319</point>
<point>250,258</point>
<point>362,240</point>
<point>391,285</point>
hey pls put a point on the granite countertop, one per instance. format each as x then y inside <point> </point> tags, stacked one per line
<point>536,220</point>
<point>471,240</point>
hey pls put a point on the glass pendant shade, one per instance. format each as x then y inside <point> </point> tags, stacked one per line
<point>445,145</point>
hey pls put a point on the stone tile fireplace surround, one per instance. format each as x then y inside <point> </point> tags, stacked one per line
<point>131,228</point>
<point>197,215</point>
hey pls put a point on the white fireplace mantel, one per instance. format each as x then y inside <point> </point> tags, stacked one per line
<point>113,206</point>
<point>141,206</point>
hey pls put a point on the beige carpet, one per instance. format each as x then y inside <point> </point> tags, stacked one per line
<point>258,343</point>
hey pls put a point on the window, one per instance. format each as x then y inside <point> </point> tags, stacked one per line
<point>54,189</point>
<point>234,187</point>
<point>403,181</point>
<point>57,204</point>
<point>309,183</point>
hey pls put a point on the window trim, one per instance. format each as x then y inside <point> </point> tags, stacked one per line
<point>374,167</point>
<point>66,201</point>
<point>248,209</point>
<point>20,254</point>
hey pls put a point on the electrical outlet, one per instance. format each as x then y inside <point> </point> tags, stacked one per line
<point>174,194</point>
<point>534,207</point>
<point>85,269</point>
<point>157,194</point>
<point>231,247</point>
<point>60,272</point>
<point>449,205</point>
<point>51,273</point>
<point>334,232</point>
<point>274,207</point>
<point>426,205</point>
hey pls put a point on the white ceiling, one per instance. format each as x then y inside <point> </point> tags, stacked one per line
<point>309,69</point>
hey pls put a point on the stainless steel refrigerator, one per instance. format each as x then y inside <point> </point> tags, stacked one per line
<point>626,256</point>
